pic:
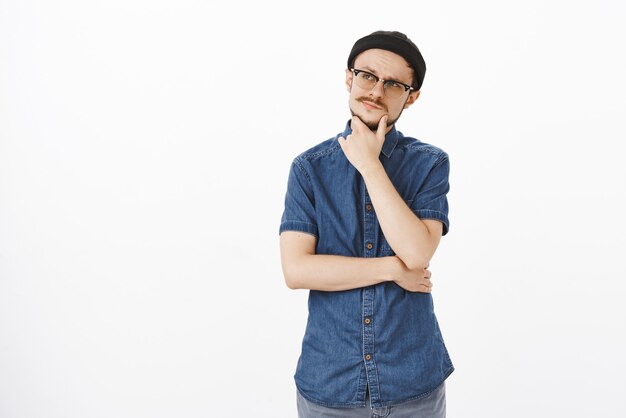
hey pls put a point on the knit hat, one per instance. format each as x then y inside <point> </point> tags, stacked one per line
<point>396,42</point>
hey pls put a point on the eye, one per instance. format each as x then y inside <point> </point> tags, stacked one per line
<point>394,85</point>
<point>366,76</point>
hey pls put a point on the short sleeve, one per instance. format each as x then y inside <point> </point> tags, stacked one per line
<point>431,200</point>
<point>299,213</point>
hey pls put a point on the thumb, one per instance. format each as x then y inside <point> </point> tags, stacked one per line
<point>382,127</point>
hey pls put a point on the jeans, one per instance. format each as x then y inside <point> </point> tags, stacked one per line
<point>432,405</point>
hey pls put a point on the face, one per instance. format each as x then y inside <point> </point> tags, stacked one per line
<point>371,105</point>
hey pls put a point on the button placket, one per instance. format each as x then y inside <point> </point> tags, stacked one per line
<point>369,225</point>
<point>368,343</point>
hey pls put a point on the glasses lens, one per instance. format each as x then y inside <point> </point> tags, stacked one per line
<point>394,89</point>
<point>366,80</point>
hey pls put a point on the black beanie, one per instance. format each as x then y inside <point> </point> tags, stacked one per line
<point>396,42</point>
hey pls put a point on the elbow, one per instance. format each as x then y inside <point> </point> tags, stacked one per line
<point>291,283</point>
<point>291,278</point>
<point>416,266</point>
<point>415,262</point>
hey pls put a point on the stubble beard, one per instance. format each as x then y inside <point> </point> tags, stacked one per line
<point>374,125</point>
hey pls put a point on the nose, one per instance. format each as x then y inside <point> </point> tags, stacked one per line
<point>378,90</point>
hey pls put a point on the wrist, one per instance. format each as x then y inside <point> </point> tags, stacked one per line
<point>370,169</point>
<point>394,268</point>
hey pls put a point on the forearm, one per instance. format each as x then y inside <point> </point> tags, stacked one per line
<point>335,273</point>
<point>407,235</point>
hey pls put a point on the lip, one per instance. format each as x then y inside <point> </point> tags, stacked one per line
<point>370,105</point>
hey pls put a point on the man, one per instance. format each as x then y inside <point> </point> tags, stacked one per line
<point>364,214</point>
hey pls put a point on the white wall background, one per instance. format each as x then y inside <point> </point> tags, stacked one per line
<point>144,152</point>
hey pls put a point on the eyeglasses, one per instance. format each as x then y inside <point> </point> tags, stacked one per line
<point>393,89</point>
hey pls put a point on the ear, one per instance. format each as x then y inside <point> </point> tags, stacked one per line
<point>411,99</point>
<point>349,76</point>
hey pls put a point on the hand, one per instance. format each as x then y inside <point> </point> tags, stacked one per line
<point>413,280</point>
<point>362,147</point>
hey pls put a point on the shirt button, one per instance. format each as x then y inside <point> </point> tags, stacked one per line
<point>367,321</point>
<point>369,246</point>
<point>368,357</point>
<point>368,207</point>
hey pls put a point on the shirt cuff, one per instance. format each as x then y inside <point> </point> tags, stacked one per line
<point>298,226</point>
<point>436,215</point>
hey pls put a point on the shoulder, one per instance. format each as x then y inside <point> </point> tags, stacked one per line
<point>325,148</point>
<point>416,148</point>
<point>318,158</point>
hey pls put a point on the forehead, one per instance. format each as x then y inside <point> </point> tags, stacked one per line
<point>384,64</point>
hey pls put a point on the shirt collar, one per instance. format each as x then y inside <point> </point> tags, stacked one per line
<point>391,139</point>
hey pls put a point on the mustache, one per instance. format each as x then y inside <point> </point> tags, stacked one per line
<point>377,102</point>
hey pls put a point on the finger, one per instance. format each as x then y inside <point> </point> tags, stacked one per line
<point>382,127</point>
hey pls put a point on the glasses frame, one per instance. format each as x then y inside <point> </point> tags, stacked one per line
<point>406,86</point>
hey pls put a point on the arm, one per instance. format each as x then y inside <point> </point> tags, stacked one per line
<point>414,240</point>
<point>303,269</point>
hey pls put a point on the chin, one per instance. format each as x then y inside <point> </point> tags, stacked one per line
<point>369,121</point>
<point>372,123</point>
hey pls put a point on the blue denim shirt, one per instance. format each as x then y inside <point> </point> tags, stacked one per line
<point>381,336</point>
